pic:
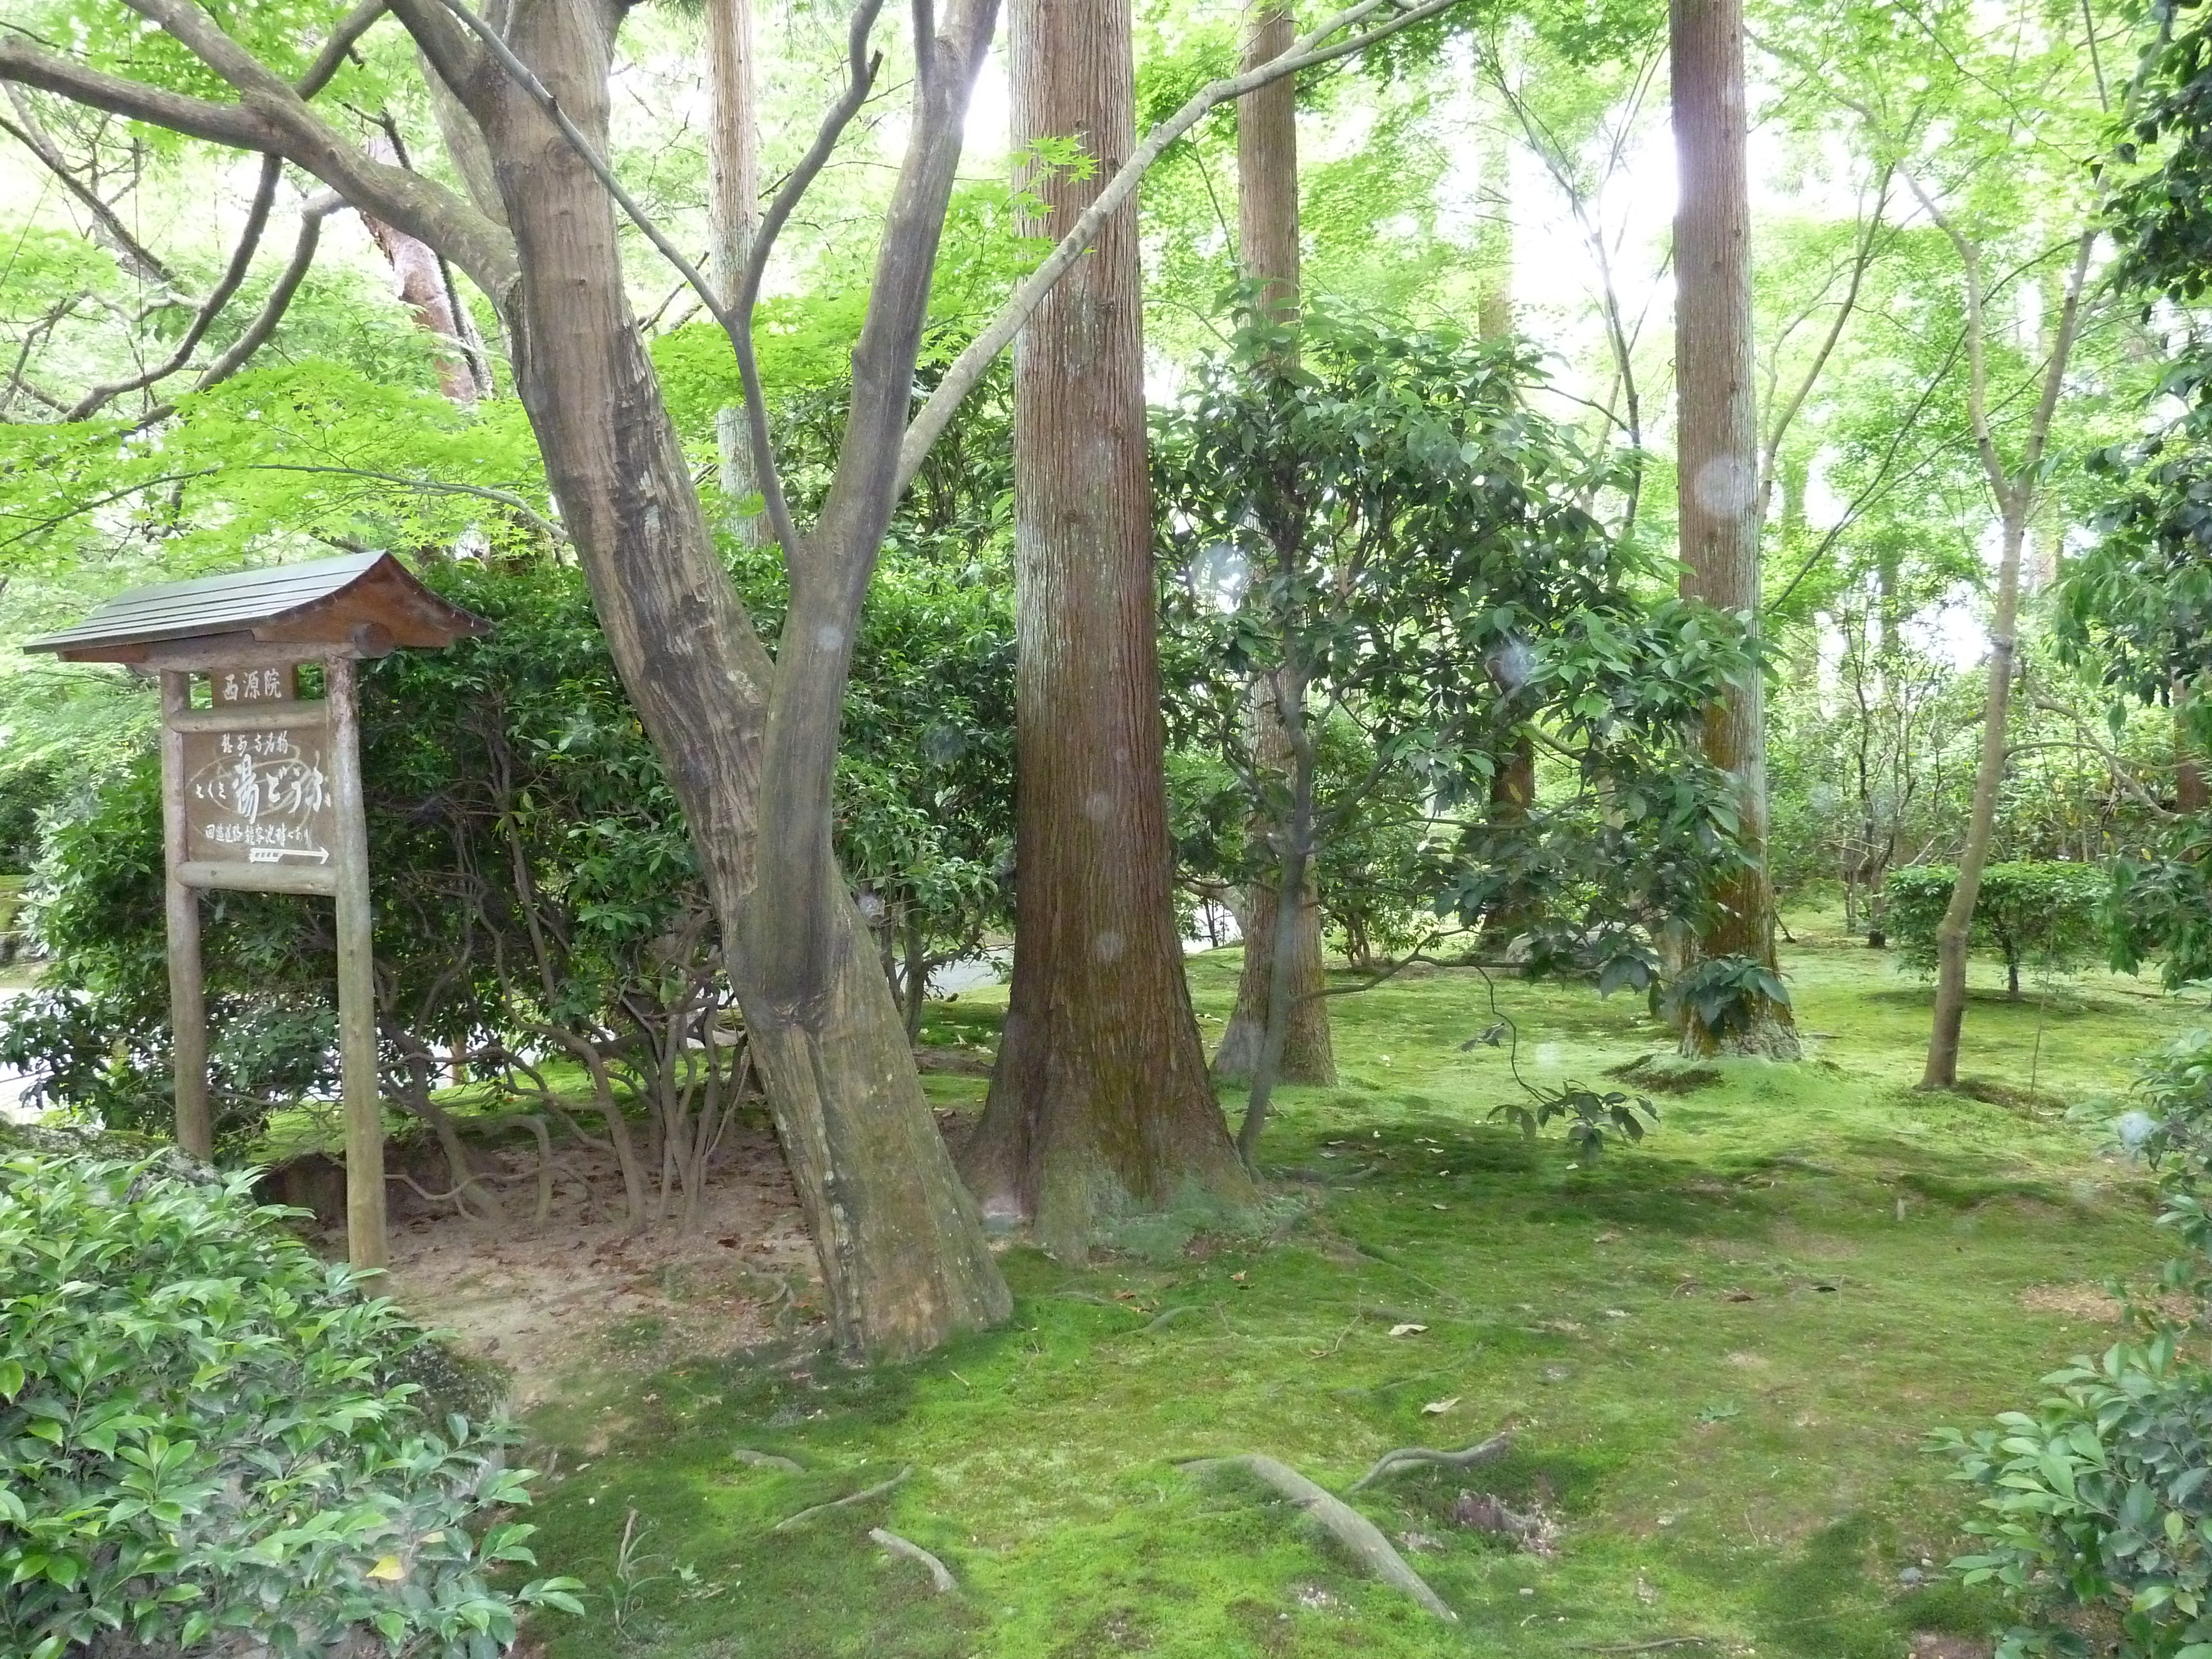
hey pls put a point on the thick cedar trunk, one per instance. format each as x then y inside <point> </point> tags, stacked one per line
<point>1267,232</point>
<point>1717,452</point>
<point>902,1250</point>
<point>732,208</point>
<point>1100,1103</point>
<point>1951,933</point>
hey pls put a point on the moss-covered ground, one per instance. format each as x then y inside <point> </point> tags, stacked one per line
<point>1720,1352</point>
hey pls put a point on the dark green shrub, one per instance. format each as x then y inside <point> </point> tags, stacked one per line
<point>2047,916</point>
<point>202,1432</point>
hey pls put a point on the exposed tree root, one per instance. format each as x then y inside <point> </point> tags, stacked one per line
<point>1534,1532</point>
<point>1408,1457</point>
<point>878,1491</point>
<point>939,1574</point>
<point>1359,1536</point>
<point>760,1460</point>
<point>1170,1318</point>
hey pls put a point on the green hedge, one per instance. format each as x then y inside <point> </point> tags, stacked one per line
<point>2044,916</point>
<point>203,1429</point>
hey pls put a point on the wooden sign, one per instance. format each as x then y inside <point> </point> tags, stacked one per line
<point>261,792</point>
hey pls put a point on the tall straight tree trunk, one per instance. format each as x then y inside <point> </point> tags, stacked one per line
<point>903,1250</point>
<point>1513,780</point>
<point>1951,933</point>
<point>1267,233</point>
<point>733,209</point>
<point>1100,1103</point>
<point>1717,457</point>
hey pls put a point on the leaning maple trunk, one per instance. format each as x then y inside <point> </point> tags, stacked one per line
<point>1268,233</point>
<point>901,1250</point>
<point>1951,933</point>
<point>1717,462</point>
<point>1100,1103</point>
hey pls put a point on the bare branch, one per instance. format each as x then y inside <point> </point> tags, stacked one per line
<point>356,23</point>
<point>271,117</point>
<point>280,297</point>
<point>1862,258</point>
<point>233,125</point>
<point>241,260</point>
<point>108,224</point>
<point>522,509</point>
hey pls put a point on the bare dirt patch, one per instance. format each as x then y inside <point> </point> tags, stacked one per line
<point>2086,1302</point>
<point>1930,1644</point>
<point>543,1303</point>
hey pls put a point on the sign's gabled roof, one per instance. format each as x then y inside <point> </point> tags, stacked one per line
<point>323,603</point>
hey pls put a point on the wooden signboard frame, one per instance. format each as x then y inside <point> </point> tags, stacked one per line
<point>261,792</point>
<point>342,875</point>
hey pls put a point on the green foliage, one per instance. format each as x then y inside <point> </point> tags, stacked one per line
<point>203,1431</point>
<point>1726,996</point>
<point>1591,1116</point>
<point>1377,519</point>
<point>2099,1499</point>
<point>2049,916</point>
<point>2102,1497</point>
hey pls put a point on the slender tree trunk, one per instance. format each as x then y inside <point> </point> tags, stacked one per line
<point>1296,843</point>
<point>1718,456</point>
<point>1952,932</point>
<point>1100,1101</point>
<point>2190,792</point>
<point>1494,299</point>
<point>733,209</point>
<point>1267,235</point>
<point>903,1253</point>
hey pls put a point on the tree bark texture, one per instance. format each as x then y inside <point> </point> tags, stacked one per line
<point>1267,237</point>
<point>1718,453</point>
<point>2191,793</point>
<point>1100,1103</point>
<point>424,290</point>
<point>902,1251</point>
<point>1951,933</point>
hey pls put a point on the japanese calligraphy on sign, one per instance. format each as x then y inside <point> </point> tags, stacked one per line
<point>261,797</point>
<point>229,686</point>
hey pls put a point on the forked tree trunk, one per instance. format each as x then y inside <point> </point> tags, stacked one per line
<point>1951,933</point>
<point>1267,232</point>
<point>1717,458</point>
<point>903,1253</point>
<point>1100,1103</point>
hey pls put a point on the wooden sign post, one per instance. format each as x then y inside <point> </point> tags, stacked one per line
<point>261,792</point>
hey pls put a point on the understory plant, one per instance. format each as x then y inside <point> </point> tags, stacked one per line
<point>2102,1496</point>
<point>2047,914</point>
<point>206,1433</point>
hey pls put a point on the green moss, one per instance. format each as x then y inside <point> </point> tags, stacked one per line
<point>1834,1254</point>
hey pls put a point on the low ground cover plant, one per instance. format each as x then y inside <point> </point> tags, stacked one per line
<point>2101,1497</point>
<point>205,1432</point>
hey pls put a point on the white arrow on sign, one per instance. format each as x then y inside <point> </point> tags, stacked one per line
<point>274,854</point>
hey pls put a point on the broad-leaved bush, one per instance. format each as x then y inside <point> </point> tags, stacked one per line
<point>206,1434</point>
